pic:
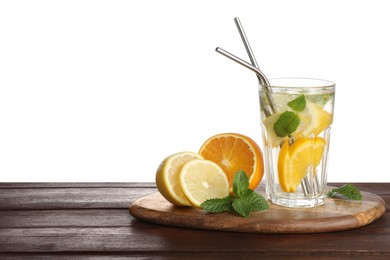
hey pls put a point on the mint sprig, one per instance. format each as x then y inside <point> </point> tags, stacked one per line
<point>286,124</point>
<point>240,184</point>
<point>298,104</point>
<point>218,205</point>
<point>347,191</point>
<point>243,201</point>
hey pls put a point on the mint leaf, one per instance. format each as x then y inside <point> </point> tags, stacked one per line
<point>347,191</point>
<point>247,193</point>
<point>298,104</point>
<point>243,202</point>
<point>286,124</point>
<point>240,183</point>
<point>251,201</point>
<point>258,202</point>
<point>242,206</point>
<point>217,205</point>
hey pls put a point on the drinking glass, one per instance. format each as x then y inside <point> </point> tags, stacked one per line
<point>296,119</point>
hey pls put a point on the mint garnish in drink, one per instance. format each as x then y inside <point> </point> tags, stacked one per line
<point>298,104</point>
<point>243,201</point>
<point>286,124</point>
<point>347,191</point>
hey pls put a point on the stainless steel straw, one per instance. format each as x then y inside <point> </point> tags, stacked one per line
<point>248,48</point>
<point>264,81</point>
<point>259,74</point>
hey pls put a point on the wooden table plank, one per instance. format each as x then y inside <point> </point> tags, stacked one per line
<point>40,185</point>
<point>65,218</point>
<point>189,256</point>
<point>91,221</point>
<point>377,188</point>
<point>70,198</point>
<point>142,237</point>
<point>79,218</point>
<point>100,195</point>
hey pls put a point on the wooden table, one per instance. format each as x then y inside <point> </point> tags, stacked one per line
<point>91,220</point>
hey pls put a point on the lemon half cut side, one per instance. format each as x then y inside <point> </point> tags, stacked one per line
<point>168,177</point>
<point>202,180</point>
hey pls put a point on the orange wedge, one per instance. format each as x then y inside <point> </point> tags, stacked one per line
<point>233,152</point>
<point>294,161</point>
<point>284,166</point>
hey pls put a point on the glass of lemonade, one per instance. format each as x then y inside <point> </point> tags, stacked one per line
<point>296,118</point>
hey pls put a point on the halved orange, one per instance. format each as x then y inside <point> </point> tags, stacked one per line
<point>234,152</point>
<point>294,161</point>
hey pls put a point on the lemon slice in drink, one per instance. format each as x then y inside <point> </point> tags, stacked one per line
<point>168,177</point>
<point>202,180</point>
<point>313,120</point>
<point>268,123</point>
<point>316,119</point>
<point>294,161</point>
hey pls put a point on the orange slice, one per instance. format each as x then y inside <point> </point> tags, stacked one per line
<point>283,166</point>
<point>295,160</point>
<point>233,152</point>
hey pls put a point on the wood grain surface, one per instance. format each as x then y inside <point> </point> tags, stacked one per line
<point>92,221</point>
<point>335,215</point>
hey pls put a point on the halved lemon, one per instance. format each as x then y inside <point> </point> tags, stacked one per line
<point>202,180</point>
<point>168,177</point>
<point>294,161</point>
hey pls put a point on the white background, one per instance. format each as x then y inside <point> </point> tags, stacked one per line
<point>105,90</point>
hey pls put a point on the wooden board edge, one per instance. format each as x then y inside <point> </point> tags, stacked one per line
<point>343,223</point>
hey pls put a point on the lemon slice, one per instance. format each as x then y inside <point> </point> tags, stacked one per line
<point>295,160</point>
<point>313,120</point>
<point>168,177</point>
<point>202,180</point>
<point>268,123</point>
<point>316,119</point>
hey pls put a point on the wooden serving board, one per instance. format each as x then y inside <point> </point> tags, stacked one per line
<point>335,215</point>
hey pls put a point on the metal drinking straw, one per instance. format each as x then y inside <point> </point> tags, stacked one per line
<point>260,76</point>
<point>249,49</point>
<point>263,79</point>
<point>304,183</point>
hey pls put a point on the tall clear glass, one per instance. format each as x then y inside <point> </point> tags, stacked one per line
<point>296,118</point>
